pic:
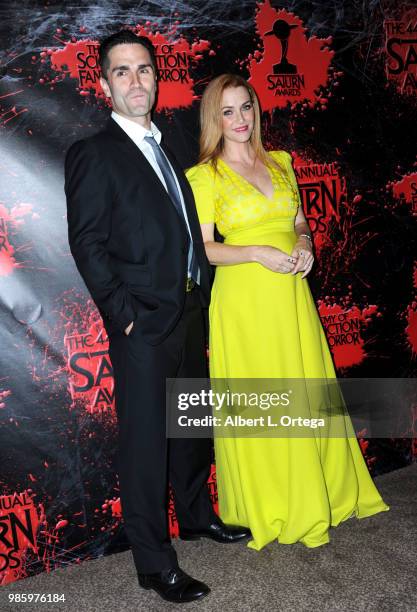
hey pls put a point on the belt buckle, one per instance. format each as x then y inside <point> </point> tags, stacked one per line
<point>190,284</point>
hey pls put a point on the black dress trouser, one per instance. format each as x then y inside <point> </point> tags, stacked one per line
<point>147,460</point>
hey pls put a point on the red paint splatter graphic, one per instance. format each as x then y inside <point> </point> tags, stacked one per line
<point>19,523</point>
<point>79,60</point>
<point>212,486</point>
<point>91,372</point>
<point>9,223</point>
<point>344,329</point>
<point>291,68</point>
<point>115,507</point>
<point>172,516</point>
<point>401,52</point>
<point>343,245</point>
<point>406,190</point>
<point>26,538</point>
<point>322,192</point>
<point>364,444</point>
<point>175,57</point>
<point>411,329</point>
<point>8,113</point>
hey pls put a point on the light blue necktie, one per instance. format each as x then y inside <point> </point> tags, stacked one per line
<point>174,194</point>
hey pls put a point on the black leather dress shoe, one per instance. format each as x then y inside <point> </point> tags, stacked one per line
<point>219,532</point>
<point>174,585</point>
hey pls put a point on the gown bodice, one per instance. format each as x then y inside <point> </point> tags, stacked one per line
<point>227,199</point>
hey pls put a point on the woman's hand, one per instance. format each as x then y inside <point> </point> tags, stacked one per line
<point>303,253</point>
<point>274,259</point>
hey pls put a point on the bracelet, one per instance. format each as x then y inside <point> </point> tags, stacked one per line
<point>306,236</point>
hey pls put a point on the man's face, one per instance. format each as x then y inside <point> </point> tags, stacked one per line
<point>130,82</point>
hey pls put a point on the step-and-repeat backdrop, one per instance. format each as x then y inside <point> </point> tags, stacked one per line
<point>338,87</point>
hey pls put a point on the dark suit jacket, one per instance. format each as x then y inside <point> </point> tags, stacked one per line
<point>129,243</point>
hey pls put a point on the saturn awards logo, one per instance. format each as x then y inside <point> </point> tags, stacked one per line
<point>292,67</point>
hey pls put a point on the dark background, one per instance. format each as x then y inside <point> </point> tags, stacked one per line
<point>51,445</point>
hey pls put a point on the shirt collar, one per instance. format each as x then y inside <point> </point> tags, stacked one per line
<point>135,131</point>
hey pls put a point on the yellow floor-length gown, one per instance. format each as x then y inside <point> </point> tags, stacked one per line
<point>265,325</point>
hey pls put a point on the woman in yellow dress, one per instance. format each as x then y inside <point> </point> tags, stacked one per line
<point>264,324</point>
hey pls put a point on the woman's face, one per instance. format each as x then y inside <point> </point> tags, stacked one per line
<point>238,116</point>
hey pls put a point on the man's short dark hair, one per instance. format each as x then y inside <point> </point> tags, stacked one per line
<point>122,38</point>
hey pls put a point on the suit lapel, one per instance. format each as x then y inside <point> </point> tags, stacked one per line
<point>157,187</point>
<point>117,132</point>
<point>140,159</point>
<point>141,162</point>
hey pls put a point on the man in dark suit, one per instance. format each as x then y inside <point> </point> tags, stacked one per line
<point>136,240</point>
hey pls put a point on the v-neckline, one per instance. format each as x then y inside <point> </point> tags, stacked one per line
<point>251,184</point>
